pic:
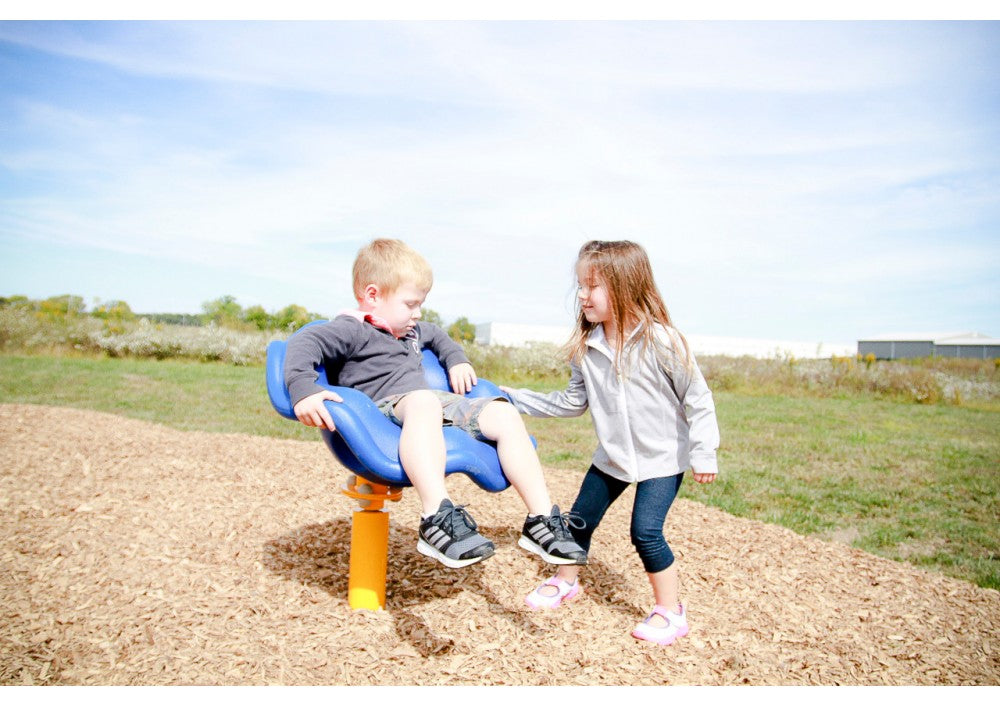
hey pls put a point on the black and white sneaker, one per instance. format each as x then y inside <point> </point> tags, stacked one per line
<point>450,537</point>
<point>549,537</point>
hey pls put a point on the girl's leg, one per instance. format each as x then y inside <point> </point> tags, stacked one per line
<point>666,588</point>
<point>597,492</point>
<point>653,499</point>
<point>500,422</point>
<point>421,447</point>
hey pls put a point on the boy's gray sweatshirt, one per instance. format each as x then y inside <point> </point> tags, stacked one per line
<point>359,355</point>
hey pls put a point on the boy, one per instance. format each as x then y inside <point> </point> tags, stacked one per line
<point>376,350</point>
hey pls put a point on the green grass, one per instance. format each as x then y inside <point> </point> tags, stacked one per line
<point>215,397</point>
<point>910,482</point>
<point>916,483</point>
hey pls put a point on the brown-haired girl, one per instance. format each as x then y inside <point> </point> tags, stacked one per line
<point>653,414</point>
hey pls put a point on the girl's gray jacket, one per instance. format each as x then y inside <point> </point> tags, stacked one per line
<point>656,418</point>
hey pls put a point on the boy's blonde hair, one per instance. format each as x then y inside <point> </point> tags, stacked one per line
<point>389,263</point>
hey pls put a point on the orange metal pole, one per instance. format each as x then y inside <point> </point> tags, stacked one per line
<point>369,560</point>
<point>369,557</point>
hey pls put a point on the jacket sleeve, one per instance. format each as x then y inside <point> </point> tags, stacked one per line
<point>699,409</point>
<point>444,347</point>
<point>571,402</point>
<point>332,341</point>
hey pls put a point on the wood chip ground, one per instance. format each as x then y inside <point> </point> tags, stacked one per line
<point>134,554</point>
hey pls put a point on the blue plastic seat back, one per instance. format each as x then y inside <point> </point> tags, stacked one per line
<point>367,442</point>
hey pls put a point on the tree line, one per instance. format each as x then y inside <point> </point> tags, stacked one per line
<point>224,311</point>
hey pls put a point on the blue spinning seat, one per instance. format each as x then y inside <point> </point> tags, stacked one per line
<point>367,442</point>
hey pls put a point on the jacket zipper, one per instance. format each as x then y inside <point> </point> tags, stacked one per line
<point>627,424</point>
<point>623,416</point>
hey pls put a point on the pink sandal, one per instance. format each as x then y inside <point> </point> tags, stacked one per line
<point>677,626</point>
<point>564,592</point>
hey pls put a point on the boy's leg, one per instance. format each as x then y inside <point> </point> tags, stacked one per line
<point>500,422</point>
<point>421,447</point>
<point>447,532</point>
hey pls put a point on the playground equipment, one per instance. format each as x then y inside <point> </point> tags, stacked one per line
<point>367,443</point>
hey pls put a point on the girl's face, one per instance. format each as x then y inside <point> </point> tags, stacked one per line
<point>595,301</point>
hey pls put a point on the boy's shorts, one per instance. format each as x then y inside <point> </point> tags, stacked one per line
<point>458,410</point>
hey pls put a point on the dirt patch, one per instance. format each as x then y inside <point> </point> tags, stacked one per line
<point>134,554</point>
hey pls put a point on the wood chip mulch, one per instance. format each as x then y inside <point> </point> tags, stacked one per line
<point>135,554</point>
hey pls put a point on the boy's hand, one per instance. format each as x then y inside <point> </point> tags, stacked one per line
<point>703,478</point>
<point>462,377</point>
<point>311,411</point>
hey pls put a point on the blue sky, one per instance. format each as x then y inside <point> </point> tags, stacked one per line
<point>818,181</point>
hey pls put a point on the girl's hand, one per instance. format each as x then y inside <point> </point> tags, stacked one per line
<point>462,377</point>
<point>703,478</point>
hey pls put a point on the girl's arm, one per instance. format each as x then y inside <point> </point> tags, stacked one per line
<point>571,402</point>
<point>699,408</point>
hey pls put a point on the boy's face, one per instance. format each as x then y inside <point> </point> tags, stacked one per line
<point>401,309</point>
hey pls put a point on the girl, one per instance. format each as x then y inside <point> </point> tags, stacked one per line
<point>653,414</point>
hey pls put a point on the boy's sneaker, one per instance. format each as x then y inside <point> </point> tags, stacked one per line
<point>550,538</point>
<point>545,598</point>
<point>674,626</point>
<point>450,537</point>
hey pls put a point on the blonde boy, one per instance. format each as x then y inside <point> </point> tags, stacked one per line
<point>377,350</point>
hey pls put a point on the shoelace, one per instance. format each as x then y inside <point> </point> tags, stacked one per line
<point>457,520</point>
<point>561,523</point>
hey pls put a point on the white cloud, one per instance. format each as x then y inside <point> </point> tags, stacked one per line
<point>734,152</point>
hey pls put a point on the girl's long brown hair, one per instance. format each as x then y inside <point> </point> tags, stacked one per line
<point>634,299</point>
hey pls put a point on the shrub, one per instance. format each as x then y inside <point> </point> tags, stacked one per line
<point>923,382</point>
<point>20,330</point>
<point>462,331</point>
<point>537,363</point>
<point>56,325</point>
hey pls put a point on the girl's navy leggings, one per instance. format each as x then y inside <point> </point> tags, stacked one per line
<point>653,499</point>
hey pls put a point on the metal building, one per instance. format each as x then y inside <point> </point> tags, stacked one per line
<point>954,345</point>
<point>508,334</point>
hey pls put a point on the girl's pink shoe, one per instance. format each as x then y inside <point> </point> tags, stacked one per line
<point>564,592</point>
<point>676,626</point>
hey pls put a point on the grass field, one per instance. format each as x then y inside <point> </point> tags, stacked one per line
<point>910,482</point>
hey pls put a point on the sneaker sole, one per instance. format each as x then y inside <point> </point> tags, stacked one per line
<point>425,548</point>
<point>531,546</point>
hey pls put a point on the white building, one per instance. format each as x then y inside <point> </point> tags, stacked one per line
<point>507,334</point>
<point>965,344</point>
